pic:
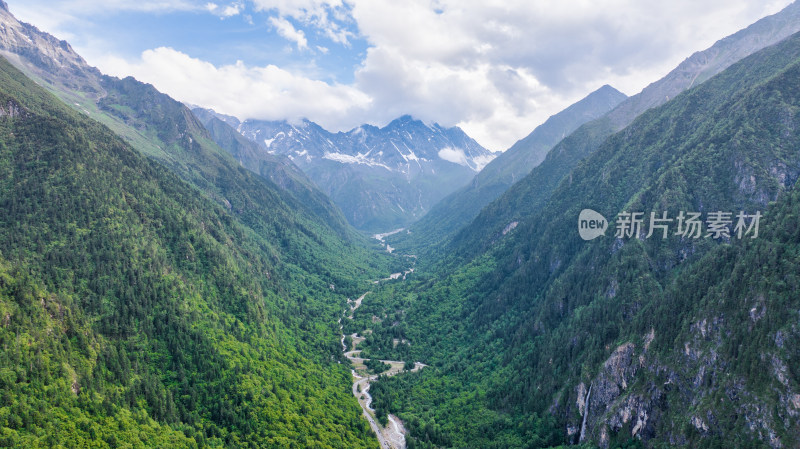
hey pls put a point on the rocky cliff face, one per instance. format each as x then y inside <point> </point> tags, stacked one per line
<point>45,57</point>
<point>611,406</point>
<point>642,394</point>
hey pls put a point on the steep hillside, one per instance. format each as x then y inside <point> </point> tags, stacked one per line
<point>136,312</point>
<point>460,207</point>
<point>24,44</point>
<point>629,340</point>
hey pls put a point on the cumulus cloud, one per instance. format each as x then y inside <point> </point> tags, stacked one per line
<point>232,10</point>
<point>330,17</point>
<point>224,12</point>
<point>454,155</point>
<point>269,93</point>
<point>498,69</point>
<point>286,30</point>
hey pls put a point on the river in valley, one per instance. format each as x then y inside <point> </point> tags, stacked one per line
<point>393,435</point>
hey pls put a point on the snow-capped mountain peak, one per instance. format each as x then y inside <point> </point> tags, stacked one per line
<point>398,171</point>
<point>402,141</point>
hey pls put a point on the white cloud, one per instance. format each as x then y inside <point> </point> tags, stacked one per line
<point>232,10</point>
<point>482,161</point>
<point>229,11</point>
<point>328,16</point>
<point>498,68</point>
<point>298,9</point>
<point>454,155</point>
<point>270,92</point>
<point>286,30</point>
<point>457,156</point>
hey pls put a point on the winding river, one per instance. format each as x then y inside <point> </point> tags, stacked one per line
<point>393,436</point>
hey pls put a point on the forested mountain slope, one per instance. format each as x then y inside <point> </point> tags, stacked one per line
<point>544,338</point>
<point>136,311</point>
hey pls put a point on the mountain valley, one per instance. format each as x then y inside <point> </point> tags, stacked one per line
<point>172,276</point>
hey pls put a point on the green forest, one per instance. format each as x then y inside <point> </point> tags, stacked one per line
<point>139,312</point>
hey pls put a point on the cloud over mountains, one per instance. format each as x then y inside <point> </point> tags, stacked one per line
<point>497,69</point>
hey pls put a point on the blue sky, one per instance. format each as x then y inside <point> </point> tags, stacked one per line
<point>219,32</point>
<point>249,37</point>
<point>495,68</point>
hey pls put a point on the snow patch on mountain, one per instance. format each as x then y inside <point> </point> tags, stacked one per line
<point>357,159</point>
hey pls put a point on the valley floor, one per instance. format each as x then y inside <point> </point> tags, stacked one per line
<point>393,435</point>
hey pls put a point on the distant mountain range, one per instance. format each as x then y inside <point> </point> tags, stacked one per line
<point>381,178</point>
